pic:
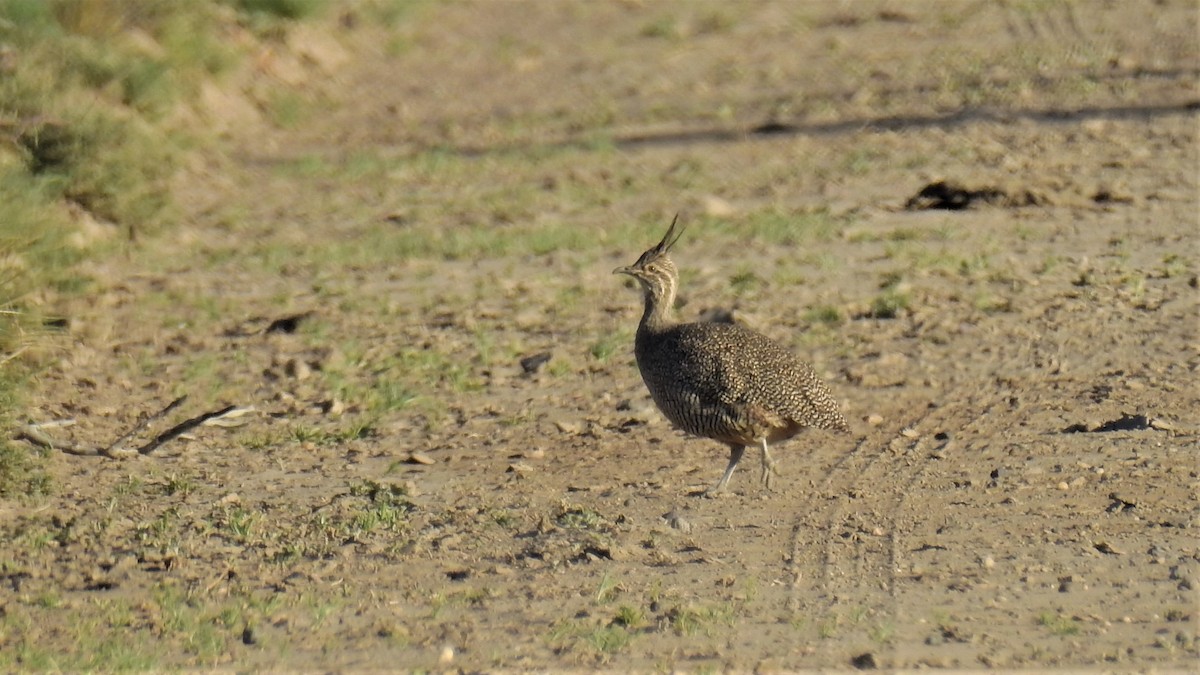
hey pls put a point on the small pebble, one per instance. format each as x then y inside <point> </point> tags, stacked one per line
<point>573,428</point>
<point>716,207</point>
<point>678,522</point>
<point>298,369</point>
<point>989,562</point>
<point>1161,424</point>
<point>420,458</point>
<point>1062,485</point>
<point>874,419</point>
<point>447,656</point>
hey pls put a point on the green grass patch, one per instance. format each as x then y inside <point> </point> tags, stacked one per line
<point>702,620</point>
<point>580,518</point>
<point>22,472</point>
<point>893,300</point>
<point>1058,624</point>
<point>610,344</point>
<point>824,314</point>
<point>89,135</point>
<point>601,642</point>
<point>282,9</point>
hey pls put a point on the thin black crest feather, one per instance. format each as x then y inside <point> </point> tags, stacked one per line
<point>660,249</point>
<point>668,241</point>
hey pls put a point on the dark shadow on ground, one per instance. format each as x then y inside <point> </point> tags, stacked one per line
<point>717,135</point>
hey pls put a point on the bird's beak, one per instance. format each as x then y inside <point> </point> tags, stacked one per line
<point>623,270</point>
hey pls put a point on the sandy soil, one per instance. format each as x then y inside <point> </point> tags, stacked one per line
<point>1020,486</point>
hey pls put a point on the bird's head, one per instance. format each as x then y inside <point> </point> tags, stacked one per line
<point>654,269</point>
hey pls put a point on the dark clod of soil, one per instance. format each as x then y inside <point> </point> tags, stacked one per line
<point>954,196</point>
<point>534,363</point>
<point>717,315</point>
<point>287,324</point>
<point>1125,422</point>
<point>864,661</point>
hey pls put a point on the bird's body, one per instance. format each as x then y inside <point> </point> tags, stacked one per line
<point>722,381</point>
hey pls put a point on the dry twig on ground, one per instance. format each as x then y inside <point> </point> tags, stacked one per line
<point>36,433</point>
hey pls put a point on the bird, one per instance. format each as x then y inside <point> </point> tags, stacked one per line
<point>722,381</point>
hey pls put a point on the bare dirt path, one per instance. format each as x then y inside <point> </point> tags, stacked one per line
<point>419,488</point>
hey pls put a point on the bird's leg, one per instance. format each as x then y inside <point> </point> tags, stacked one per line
<point>768,465</point>
<point>735,456</point>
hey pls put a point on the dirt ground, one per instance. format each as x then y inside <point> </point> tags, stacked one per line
<point>452,464</point>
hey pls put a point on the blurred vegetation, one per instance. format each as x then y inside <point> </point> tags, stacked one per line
<point>286,9</point>
<point>90,132</point>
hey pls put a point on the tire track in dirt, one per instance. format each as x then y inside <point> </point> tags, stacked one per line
<point>847,552</point>
<point>813,534</point>
<point>932,447</point>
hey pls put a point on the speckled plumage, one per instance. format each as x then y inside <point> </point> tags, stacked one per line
<point>722,381</point>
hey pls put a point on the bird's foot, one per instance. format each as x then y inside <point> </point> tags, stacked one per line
<point>768,466</point>
<point>768,475</point>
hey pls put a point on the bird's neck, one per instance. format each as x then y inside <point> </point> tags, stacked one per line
<point>657,315</point>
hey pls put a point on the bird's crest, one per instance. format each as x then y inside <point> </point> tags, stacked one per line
<point>661,249</point>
